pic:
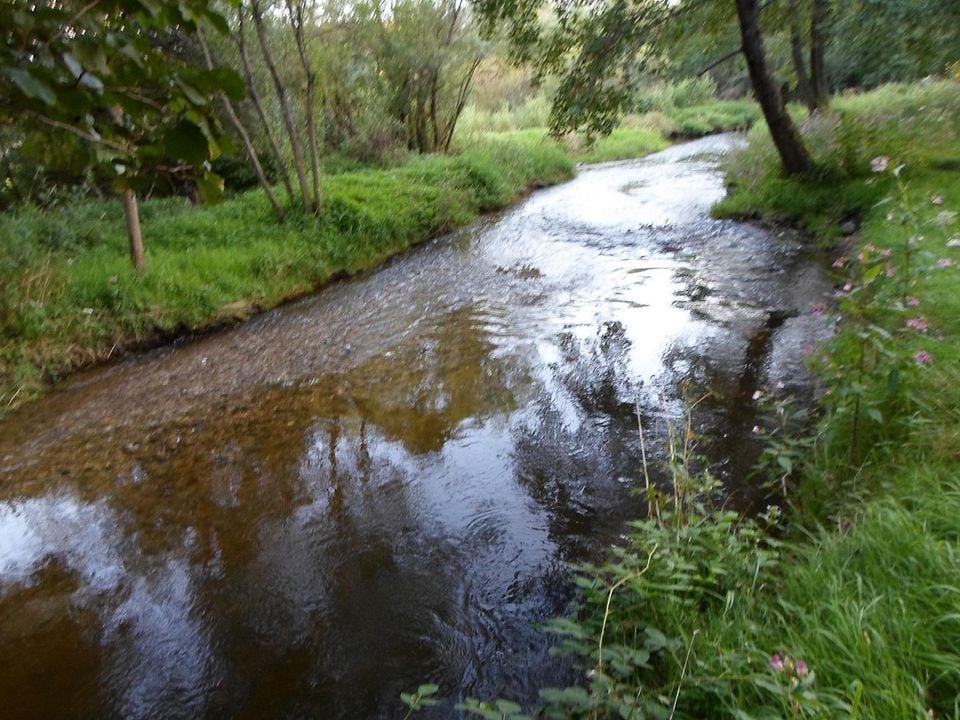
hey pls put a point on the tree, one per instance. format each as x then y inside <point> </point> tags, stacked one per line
<point>892,40</point>
<point>424,56</point>
<point>812,82</point>
<point>601,50</point>
<point>786,137</point>
<point>108,72</point>
<point>252,155</point>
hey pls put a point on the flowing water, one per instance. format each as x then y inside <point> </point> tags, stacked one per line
<point>382,485</point>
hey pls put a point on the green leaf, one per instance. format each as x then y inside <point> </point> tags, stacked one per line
<point>75,68</point>
<point>508,708</point>
<point>186,141</point>
<point>218,21</point>
<point>31,86</point>
<point>210,187</point>
<point>92,82</point>
<point>786,463</point>
<point>230,82</point>
<point>191,93</point>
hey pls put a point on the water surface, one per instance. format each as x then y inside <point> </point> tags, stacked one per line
<point>382,485</point>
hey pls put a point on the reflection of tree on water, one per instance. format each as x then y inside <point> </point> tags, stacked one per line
<point>292,510</point>
<point>578,447</point>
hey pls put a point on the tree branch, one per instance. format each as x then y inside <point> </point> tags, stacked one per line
<point>63,28</point>
<point>81,133</point>
<point>729,56</point>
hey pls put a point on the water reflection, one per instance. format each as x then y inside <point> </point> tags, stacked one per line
<point>380,486</point>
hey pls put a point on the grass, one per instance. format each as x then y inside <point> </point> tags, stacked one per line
<point>849,604</point>
<point>70,297</point>
<point>637,135</point>
<point>916,124</point>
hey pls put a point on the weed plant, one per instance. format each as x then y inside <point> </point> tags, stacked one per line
<point>841,601</point>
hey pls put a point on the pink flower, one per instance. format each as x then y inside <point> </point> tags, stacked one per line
<point>801,669</point>
<point>917,323</point>
<point>879,163</point>
<point>848,287</point>
<point>912,301</point>
<point>806,351</point>
<point>776,662</point>
<point>937,199</point>
<point>839,262</point>
<point>889,271</point>
<point>757,430</point>
<point>779,384</point>
<point>944,262</point>
<point>818,309</point>
<point>922,357</point>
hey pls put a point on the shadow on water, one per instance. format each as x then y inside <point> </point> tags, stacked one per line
<point>383,485</point>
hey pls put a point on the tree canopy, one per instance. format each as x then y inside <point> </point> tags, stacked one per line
<point>602,50</point>
<point>112,73</point>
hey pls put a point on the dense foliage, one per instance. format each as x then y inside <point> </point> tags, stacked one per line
<point>106,87</point>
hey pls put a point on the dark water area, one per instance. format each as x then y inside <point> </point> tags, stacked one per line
<point>383,485</point>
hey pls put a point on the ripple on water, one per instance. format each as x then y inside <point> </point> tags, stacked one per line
<point>382,485</point>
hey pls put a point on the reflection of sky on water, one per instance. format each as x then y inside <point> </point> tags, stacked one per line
<point>159,652</point>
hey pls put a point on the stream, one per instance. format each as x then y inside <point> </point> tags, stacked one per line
<point>383,485</point>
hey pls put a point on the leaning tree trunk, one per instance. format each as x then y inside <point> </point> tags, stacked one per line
<point>132,214</point>
<point>244,135</point>
<point>793,154</point>
<point>254,96</point>
<point>818,42</point>
<point>297,21</point>
<point>462,93</point>
<point>284,106</point>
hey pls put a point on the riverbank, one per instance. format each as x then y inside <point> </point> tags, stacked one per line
<point>70,299</point>
<point>841,601</point>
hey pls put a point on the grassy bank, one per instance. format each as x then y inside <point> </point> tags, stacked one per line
<point>869,599</point>
<point>70,297</point>
<point>843,600</point>
<point>637,135</point>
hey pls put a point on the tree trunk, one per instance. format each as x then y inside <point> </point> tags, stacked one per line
<point>244,135</point>
<point>462,94</point>
<point>804,86</point>
<point>793,154</point>
<point>133,229</point>
<point>284,107</point>
<point>258,105</point>
<point>296,20</point>
<point>818,69</point>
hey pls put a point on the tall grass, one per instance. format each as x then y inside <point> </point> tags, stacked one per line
<point>918,124</point>
<point>69,296</point>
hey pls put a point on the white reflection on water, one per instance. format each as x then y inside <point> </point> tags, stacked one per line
<point>156,648</point>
